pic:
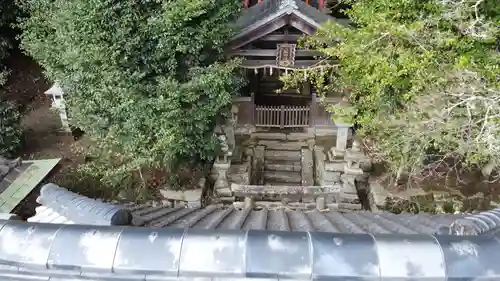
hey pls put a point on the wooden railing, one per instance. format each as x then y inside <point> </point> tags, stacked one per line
<point>282,116</point>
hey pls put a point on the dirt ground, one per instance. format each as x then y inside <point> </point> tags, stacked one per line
<point>42,138</point>
<point>26,87</point>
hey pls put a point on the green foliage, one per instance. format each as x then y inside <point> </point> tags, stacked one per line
<point>10,128</point>
<point>421,78</point>
<point>146,79</point>
<point>10,119</point>
<point>7,15</point>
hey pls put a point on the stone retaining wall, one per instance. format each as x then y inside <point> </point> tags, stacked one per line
<point>340,169</point>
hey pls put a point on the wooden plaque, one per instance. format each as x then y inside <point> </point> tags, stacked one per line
<point>285,55</point>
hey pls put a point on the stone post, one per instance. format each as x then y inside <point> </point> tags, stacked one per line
<point>320,203</point>
<point>221,185</point>
<point>228,130</point>
<point>248,202</point>
<point>257,177</point>
<point>320,159</point>
<point>342,136</point>
<point>307,172</point>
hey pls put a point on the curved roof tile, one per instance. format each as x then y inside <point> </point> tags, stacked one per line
<point>62,206</point>
<point>81,252</point>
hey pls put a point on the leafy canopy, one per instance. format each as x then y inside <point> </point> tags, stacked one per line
<point>7,14</point>
<point>10,128</point>
<point>421,78</point>
<point>10,118</point>
<point>145,78</point>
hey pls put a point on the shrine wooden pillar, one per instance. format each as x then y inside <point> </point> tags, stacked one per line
<point>314,105</point>
<point>314,110</point>
<point>321,4</point>
<point>252,100</point>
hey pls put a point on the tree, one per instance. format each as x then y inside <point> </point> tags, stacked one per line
<point>422,79</point>
<point>146,79</point>
<point>10,128</point>
<point>10,119</point>
<point>7,15</point>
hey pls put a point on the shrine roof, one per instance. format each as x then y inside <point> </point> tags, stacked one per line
<point>80,241</point>
<point>41,251</point>
<point>268,11</point>
<point>19,177</point>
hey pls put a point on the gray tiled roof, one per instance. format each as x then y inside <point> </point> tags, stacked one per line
<point>49,251</point>
<point>215,217</point>
<point>313,13</point>
<point>78,252</point>
<point>257,12</point>
<point>62,206</point>
<point>269,9</point>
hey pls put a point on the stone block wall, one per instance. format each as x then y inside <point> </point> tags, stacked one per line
<point>339,167</point>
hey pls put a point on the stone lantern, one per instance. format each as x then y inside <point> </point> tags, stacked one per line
<point>56,95</point>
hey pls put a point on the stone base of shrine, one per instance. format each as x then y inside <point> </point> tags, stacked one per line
<point>320,130</point>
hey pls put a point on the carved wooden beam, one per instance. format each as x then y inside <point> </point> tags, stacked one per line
<point>298,63</point>
<point>282,37</point>
<point>272,53</point>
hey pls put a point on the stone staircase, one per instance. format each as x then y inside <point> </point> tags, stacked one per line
<point>282,167</point>
<point>286,159</point>
<point>289,169</point>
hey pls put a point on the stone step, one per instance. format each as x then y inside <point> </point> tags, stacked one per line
<point>282,155</point>
<point>280,176</point>
<point>280,145</point>
<point>279,183</point>
<point>237,156</point>
<point>282,136</point>
<point>286,166</point>
<point>268,136</point>
<point>299,136</point>
<point>239,174</point>
<point>238,168</point>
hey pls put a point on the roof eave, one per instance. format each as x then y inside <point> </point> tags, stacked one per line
<point>259,24</point>
<point>307,19</point>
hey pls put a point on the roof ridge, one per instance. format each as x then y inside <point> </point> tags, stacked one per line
<point>288,4</point>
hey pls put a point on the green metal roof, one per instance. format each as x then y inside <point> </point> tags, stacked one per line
<point>20,179</point>
<point>269,9</point>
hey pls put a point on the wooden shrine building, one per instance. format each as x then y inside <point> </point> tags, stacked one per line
<point>267,37</point>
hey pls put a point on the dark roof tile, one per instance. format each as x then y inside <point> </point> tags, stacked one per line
<point>220,217</point>
<point>256,13</point>
<point>270,9</point>
<point>63,206</point>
